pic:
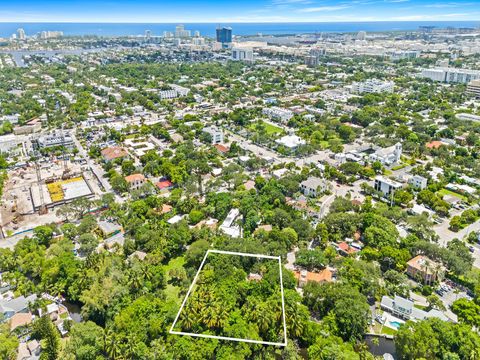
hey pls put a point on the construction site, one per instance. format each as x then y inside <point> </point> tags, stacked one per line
<point>32,193</point>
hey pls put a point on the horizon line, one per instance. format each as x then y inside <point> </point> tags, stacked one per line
<point>235,22</point>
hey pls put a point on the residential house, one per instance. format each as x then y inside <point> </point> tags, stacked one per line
<point>140,255</point>
<point>164,185</point>
<point>435,144</point>
<point>135,181</point>
<point>208,223</point>
<point>304,276</point>
<point>313,186</point>
<point>249,185</point>
<point>418,182</point>
<point>115,240</point>
<point>10,307</point>
<point>254,277</point>
<point>229,225</point>
<point>222,149</point>
<point>405,309</point>
<point>424,268</point>
<point>109,228</point>
<point>346,249</point>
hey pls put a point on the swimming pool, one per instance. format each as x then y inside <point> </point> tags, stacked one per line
<point>395,324</point>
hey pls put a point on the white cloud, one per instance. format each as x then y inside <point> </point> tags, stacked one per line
<point>425,17</point>
<point>323,8</point>
<point>289,2</point>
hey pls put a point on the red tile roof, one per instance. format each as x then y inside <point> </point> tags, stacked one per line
<point>222,148</point>
<point>322,276</point>
<point>134,177</point>
<point>434,144</point>
<point>165,184</point>
<point>347,248</point>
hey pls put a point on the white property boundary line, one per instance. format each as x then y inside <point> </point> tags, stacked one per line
<point>230,338</point>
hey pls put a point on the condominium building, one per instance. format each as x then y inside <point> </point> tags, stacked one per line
<point>180,32</point>
<point>418,182</point>
<point>21,34</point>
<point>386,186</point>
<point>198,41</point>
<point>216,134</point>
<point>473,88</point>
<point>373,86</point>
<point>277,113</point>
<point>224,36</point>
<point>451,75</point>
<point>401,55</point>
<point>55,139</point>
<point>174,92</point>
<point>242,54</point>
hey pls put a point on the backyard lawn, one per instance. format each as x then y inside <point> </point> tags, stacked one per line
<point>171,290</point>
<point>452,193</point>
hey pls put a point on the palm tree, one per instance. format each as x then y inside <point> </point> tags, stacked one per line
<point>295,319</point>
<point>111,345</point>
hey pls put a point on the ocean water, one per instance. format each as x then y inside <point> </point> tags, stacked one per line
<point>208,29</point>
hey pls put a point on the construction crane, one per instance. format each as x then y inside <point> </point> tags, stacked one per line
<point>43,208</point>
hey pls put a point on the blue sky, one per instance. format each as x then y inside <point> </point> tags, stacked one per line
<point>237,11</point>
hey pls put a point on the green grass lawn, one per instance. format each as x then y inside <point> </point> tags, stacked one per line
<point>398,167</point>
<point>387,331</point>
<point>272,129</point>
<point>172,291</point>
<point>269,128</point>
<point>449,192</point>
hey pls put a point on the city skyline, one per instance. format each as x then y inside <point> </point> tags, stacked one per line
<point>128,11</point>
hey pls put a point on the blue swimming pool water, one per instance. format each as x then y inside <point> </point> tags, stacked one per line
<point>395,324</point>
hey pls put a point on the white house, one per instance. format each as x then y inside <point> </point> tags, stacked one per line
<point>229,225</point>
<point>418,182</point>
<point>405,309</point>
<point>313,186</point>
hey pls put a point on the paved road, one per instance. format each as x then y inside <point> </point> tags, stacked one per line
<point>446,235</point>
<point>277,158</point>
<point>96,169</point>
